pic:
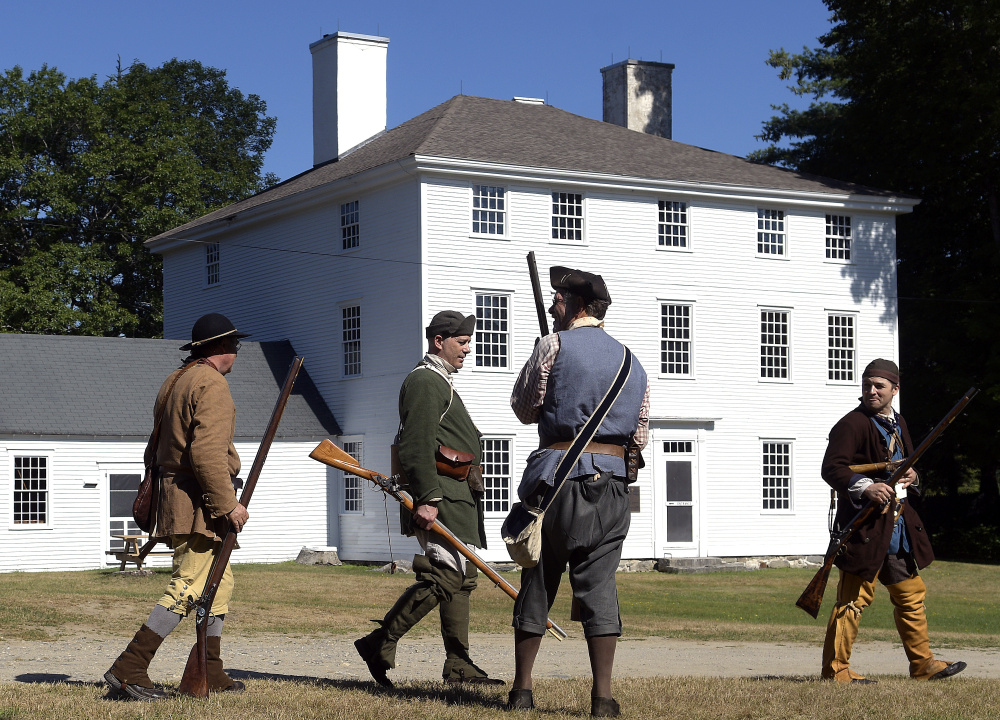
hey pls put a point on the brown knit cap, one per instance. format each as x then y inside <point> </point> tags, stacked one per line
<point>884,369</point>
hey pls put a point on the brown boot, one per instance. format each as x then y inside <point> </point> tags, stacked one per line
<point>128,674</point>
<point>218,680</point>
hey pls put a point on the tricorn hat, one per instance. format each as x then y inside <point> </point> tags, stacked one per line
<point>582,284</point>
<point>449,323</point>
<point>211,327</point>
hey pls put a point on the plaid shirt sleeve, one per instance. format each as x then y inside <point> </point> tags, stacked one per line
<point>529,391</point>
<point>642,431</point>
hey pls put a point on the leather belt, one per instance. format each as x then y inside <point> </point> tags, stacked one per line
<point>593,447</point>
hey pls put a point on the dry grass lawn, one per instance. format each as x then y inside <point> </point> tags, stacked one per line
<point>687,698</point>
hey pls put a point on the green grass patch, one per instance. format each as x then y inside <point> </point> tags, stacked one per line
<point>301,600</point>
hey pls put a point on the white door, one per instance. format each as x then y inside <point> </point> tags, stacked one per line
<point>121,483</point>
<point>675,483</point>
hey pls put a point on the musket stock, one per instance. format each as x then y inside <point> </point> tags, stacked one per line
<point>329,454</point>
<point>195,679</point>
<point>812,596</point>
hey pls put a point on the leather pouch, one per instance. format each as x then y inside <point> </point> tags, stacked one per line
<point>453,463</point>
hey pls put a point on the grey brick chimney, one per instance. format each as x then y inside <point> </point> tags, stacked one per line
<point>638,96</point>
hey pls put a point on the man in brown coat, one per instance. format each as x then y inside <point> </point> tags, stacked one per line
<point>891,545</point>
<point>197,501</point>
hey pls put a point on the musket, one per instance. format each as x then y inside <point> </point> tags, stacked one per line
<point>812,597</point>
<point>195,679</point>
<point>329,454</point>
<point>536,289</point>
<point>878,467</point>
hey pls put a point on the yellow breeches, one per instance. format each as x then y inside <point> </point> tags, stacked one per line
<point>193,557</point>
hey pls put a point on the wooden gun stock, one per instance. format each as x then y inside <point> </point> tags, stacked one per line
<point>195,679</point>
<point>536,290</point>
<point>812,596</point>
<point>329,454</point>
<point>878,467</point>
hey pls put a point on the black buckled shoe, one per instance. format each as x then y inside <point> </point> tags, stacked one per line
<point>953,669</point>
<point>483,679</point>
<point>236,687</point>
<point>136,692</point>
<point>520,700</point>
<point>604,707</point>
<point>375,665</point>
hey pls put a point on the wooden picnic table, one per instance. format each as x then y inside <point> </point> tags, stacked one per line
<point>133,553</point>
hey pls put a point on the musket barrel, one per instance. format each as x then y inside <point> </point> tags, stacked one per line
<point>329,454</point>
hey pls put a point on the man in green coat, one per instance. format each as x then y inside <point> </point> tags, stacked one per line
<point>432,416</point>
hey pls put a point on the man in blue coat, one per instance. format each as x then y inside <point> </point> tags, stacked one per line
<point>559,388</point>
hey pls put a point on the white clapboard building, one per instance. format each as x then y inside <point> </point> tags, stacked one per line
<point>752,295</point>
<point>74,419</point>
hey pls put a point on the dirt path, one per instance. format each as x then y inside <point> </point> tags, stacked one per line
<point>84,659</point>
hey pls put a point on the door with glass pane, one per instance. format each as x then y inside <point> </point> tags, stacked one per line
<point>676,478</point>
<point>122,485</point>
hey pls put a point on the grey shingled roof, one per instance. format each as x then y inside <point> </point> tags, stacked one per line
<point>105,387</point>
<point>541,136</point>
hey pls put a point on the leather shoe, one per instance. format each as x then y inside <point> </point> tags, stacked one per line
<point>863,681</point>
<point>952,669</point>
<point>474,680</point>
<point>375,666</point>
<point>604,707</point>
<point>520,700</point>
<point>236,688</point>
<point>136,692</point>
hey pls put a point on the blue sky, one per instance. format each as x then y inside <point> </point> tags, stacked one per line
<point>723,89</point>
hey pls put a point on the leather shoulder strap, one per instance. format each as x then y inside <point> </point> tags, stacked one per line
<point>589,429</point>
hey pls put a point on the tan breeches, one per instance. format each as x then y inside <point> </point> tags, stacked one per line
<point>193,558</point>
<point>855,594</point>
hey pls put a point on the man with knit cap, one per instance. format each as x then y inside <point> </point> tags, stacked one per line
<point>197,501</point>
<point>891,545</point>
<point>433,420</point>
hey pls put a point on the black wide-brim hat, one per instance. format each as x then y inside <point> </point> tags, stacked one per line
<point>211,327</point>
<point>582,284</point>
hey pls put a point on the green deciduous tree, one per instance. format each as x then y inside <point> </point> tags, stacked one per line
<point>905,95</point>
<point>89,170</point>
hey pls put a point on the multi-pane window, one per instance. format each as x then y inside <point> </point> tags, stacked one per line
<point>212,264</point>
<point>770,232</point>
<point>351,317</point>
<point>776,475</point>
<point>567,216</point>
<point>840,348</point>
<point>31,490</point>
<point>774,344</point>
<point>350,224</point>
<point>673,224</point>
<point>675,339</point>
<point>492,330</point>
<point>838,237</point>
<point>489,209</point>
<point>496,474</point>
<point>353,485</point>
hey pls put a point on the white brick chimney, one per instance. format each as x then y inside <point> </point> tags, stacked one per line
<point>638,95</point>
<point>348,92</point>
